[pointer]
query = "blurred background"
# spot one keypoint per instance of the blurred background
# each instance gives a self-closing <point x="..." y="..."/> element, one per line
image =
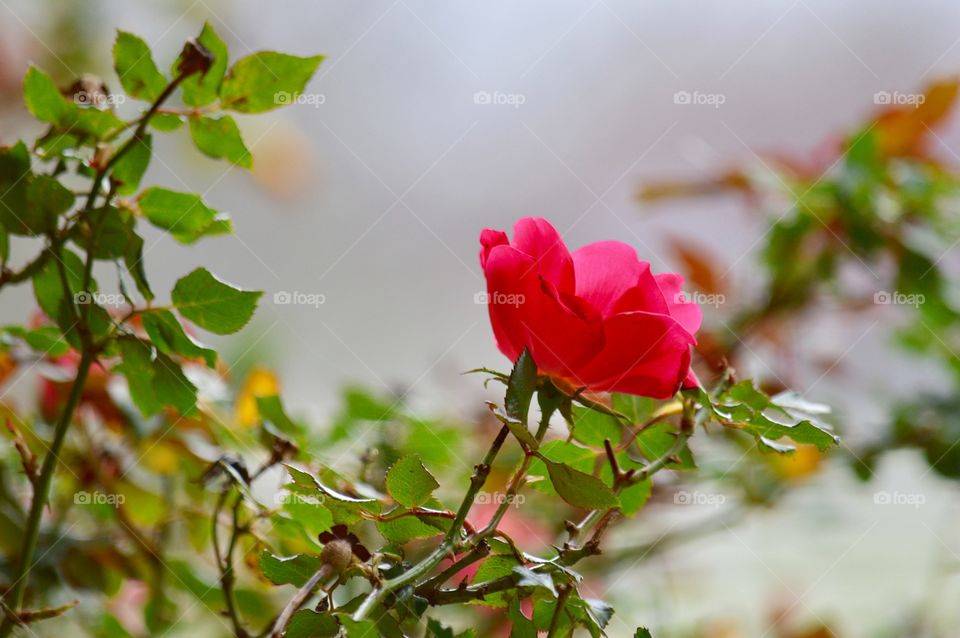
<point x="428" y="122"/>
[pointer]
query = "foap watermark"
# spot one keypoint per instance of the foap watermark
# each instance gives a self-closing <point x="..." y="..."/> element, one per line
<point x="910" y="499"/>
<point x="696" y="497"/>
<point x="98" y="100"/>
<point x="498" y="98"/>
<point x="100" y="298"/>
<point x="298" y="298"/>
<point x="499" y="498"/>
<point x="897" y="298"/>
<point x="700" y="298"/>
<point x="295" y="498"/>
<point x="897" y="98"/>
<point x="698" y="98"/>
<point x="98" y="498"/>
<point x="285" y="98"/>
<point x="484" y="298"/>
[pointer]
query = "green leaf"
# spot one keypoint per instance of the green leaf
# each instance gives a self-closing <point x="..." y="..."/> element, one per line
<point x="155" y="380"/>
<point x="183" y="215"/>
<point x="93" y="122"/>
<point x="577" y="457"/>
<point x="636" y="409"/>
<point x="134" y="65"/>
<point x="168" y="336"/>
<point x="362" y="629"/>
<point x="436" y="630"/>
<point x="115" y="234"/>
<point x="129" y="169"/>
<point x="409" y="483"/>
<point x="405" y="529"/>
<point x="493" y="567"/>
<point x="592" y="428"/>
<point x="657" y="440"/>
<point x="301" y="478"/>
<point x="172" y="386"/>
<point x="642" y="632"/>
<point x="770" y="419"/>
<point x="212" y="304"/>
<point x="290" y="570"/>
<point x="220" y="138"/>
<point x="44" y="100"/>
<point x="271" y="409"/>
<point x="200" y="90"/>
<point x="580" y="489"/>
<point x="265" y="80"/>
<point x="591" y="613"/>
<point x="520" y="387"/>
<point x="517" y="428"/>
<point x="47" y="199"/>
<point x="137" y="367"/>
<point x="530" y="578"/>
<point x="133" y="260"/>
<point x="308" y="623"/>
<point x="166" y="122"/>
<point x="15" y="214"/>
<point x="520" y="625"/>
<point x="47" y="340"/>
<point x="309" y="513"/>
<point x="634" y="497"/>
<point x="47" y="287"/>
<point x="4" y="243"/>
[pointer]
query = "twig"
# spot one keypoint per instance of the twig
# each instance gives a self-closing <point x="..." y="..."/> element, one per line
<point x="298" y="599"/>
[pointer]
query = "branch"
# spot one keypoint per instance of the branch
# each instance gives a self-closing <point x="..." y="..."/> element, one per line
<point x="299" y="598"/>
<point x="424" y="567"/>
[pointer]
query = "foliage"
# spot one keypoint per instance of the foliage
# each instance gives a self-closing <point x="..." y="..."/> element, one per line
<point x="155" y="481"/>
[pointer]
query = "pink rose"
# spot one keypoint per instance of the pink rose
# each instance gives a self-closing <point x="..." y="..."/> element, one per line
<point x="596" y="319"/>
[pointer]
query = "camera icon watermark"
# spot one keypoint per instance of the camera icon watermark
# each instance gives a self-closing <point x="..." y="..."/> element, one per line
<point x="498" y="98"/>
<point x="685" y="497"/>
<point x="296" y="498"/>
<point x="484" y="298"/>
<point x="87" y="297"/>
<point x="298" y="298"/>
<point x="697" y="98"/>
<point x="700" y="298"/>
<point x="897" y="298"/>
<point x="98" y="100"/>
<point x="499" y="498"/>
<point x="910" y="499"/>
<point x="896" y="98"/>
<point x="285" y="98"/>
<point x="98" y="498"/>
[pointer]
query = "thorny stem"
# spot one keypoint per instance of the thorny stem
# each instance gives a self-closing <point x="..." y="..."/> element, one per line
<point x="424" y="567"/>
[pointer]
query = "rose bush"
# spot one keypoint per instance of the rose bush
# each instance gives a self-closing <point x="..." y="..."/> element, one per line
<point x="157" y="485"/>
<point x="595" y="319"/>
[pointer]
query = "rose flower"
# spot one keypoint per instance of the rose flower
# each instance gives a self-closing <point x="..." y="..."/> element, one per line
<point x="596" y="320"/>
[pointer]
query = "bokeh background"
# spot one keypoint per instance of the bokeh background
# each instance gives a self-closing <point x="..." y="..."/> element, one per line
<point x="430" y="121"/>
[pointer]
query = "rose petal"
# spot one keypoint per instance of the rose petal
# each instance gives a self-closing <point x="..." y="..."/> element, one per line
<point x="684" y="310"/>
<point x="539" y="239"/>
<point x="511" y="278"/>
<point x="564" y="332"/>
<point x="611" y="277"/>
<point x="644" y="353"/>
<point x="489" y="239"/>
